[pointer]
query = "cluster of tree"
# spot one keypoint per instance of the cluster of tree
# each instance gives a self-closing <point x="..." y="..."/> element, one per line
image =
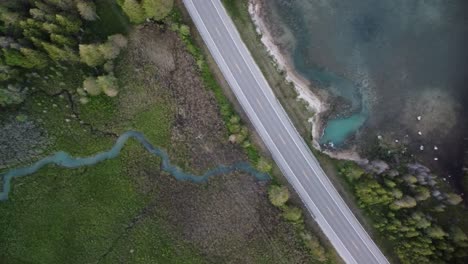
<point x="138" y="11"/>
<point x="279" y="196"/>
<point x="101" y="55"/>
<point x="396" y="204"/>
<point x="35" y="34"/>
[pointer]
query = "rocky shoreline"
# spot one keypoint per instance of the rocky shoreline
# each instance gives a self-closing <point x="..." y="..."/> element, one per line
<point x="316" y="102"/>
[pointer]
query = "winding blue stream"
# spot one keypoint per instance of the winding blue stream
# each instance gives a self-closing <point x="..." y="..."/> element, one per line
<point x="63" y="159"/>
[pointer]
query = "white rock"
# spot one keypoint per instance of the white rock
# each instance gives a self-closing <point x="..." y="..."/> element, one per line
<point x="67" y="120"/>
<point x="436" y="148"/>
<point x="421" y="147"/>
<point x="396" y="141"/>
<point x="419" y="118"/>
<point x="379" y="137"/>
<point x="420" y="133"/>
<point x="436" y="158"/>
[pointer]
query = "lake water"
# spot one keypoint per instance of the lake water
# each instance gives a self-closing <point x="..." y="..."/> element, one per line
<point x="388" y="62"/>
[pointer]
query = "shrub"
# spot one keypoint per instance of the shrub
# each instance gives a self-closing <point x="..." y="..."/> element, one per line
<point x="264" y="165"/>
<point x="91" y="55"/>
<point x="91" y="87"/>
<point x="134" y="11"/>
<point x="157" y="9"/>
<point x="313" y="244"/>
<point x="291" y="213"/>
<point x="108" y="84"/>
<point x="278" y="195"/>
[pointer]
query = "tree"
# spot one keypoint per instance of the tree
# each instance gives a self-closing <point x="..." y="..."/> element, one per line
<point x="370" y="192"/>
<point x="422" y="193"/>
<point x="420" y="220"/>
<point x="51" y="28"/>
<point x="62" y="40"/>
<point x="38" y="59"/>
<point x="118" y="40"/>
<point x="278" y="195"/>
<point x="87" y="10"/>
<point x="292" y="213"/>
<point x="108" y="84"/>
<point x="37" y="14"/>
<point x="68" y="24"/>
<point x="109" y="51"/>
<point x="11" y="95"/>
<point x="59" y="54"/>
<point x="91" y="86"/>
<point x="157" y="9"/>
<point x="405" y="202"/>
<point x="65" y="5"/>
<point x="351" y="171"/>
<point x="134" y="11"/>
<point x="410" y="179"/>
<point x="458" y="236"/>
<point x="454" y="199"/>
<point x="25" y="58"/>
<point x="8" y="17"/>
<point x="91" y="55"/>
<point x="436" y="232"/>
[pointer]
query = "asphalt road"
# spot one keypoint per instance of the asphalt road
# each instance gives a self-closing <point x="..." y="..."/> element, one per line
<point x="287" y="147"/>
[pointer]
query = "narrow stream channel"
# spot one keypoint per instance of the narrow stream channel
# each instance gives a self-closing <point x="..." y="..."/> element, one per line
<point x="63" y="159"/>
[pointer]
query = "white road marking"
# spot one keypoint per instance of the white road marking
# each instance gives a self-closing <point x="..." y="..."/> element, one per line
<point x="354" y="244"/>
<point x="217" y="31"/>
<point x="259" y="103"/>
<point x="238" y="68"/>
<point x="329" y="210"/>
<point x="282" y="139"/>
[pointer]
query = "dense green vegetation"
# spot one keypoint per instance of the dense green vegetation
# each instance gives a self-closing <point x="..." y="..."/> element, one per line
<point x="40" y="38"/>
<point x="403" y="209"/>
<point x="90" y="214"/>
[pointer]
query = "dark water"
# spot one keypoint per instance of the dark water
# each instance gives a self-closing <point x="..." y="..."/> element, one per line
<point x="390" y="61"/>
<point x="65" y="160"/>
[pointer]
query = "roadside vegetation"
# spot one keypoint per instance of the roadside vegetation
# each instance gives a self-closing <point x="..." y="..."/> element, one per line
<point x="414" y="215"/>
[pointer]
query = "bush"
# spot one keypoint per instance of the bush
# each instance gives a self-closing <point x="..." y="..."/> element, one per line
<point x="108" y="84"/>
<point x="293" y="214"/>
<point x="134" y="11"/>
<point x="278" y="195"/>
<point x="313" y="244"/>
<point x="264" y="165"/>
<point x="157" y="9"/>
<point x="91" y="87"/>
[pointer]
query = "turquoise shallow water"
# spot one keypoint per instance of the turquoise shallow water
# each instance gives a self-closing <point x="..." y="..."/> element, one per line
<point x="379" y="55"/>
<point x="338" y="130"/>
<point x="63" y="159"/>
